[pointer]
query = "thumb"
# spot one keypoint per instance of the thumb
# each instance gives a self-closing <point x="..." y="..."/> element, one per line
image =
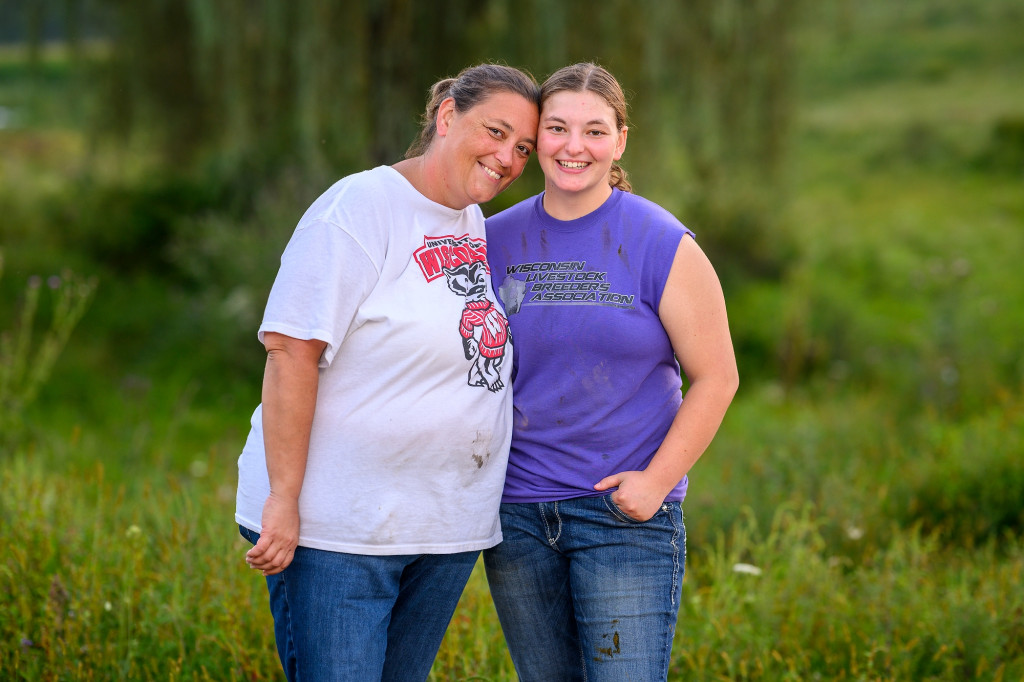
<point x="608" y="482"/>
<point x="258" y="549"/>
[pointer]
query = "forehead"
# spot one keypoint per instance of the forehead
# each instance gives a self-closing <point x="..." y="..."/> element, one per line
<point x="578" y="106"/>
<point x="504" y="104"/>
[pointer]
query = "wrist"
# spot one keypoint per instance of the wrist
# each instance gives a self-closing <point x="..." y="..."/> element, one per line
<point x="287" y="498"/>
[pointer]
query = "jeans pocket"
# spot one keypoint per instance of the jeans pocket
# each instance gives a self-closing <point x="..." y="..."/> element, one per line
<point x="621" y="515"/>
<point x="250" y="535"/>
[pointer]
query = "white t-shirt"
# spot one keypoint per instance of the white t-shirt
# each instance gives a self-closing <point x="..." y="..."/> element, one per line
<point x="410" y="438"/>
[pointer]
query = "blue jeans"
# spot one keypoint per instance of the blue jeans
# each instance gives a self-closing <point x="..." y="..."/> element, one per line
<point x="583" y="592"/>
<point x="354" y="618"/>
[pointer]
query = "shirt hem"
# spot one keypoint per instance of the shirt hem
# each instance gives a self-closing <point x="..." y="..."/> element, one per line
<point x="385" y="550"/>
<point x="673" y="496"/>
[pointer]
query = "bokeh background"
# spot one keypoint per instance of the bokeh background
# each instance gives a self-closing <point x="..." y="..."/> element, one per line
<point x="855" y="170"/>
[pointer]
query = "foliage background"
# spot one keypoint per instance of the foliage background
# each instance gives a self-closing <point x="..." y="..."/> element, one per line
<point x="855" y="171"/>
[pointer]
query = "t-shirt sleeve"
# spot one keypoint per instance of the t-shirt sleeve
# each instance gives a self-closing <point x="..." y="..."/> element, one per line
<point x="325" y="276"/>
<point x="662" y="255"/>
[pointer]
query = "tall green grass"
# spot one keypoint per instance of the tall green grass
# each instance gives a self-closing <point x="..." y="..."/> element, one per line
<point x="102" y="581"/>
<point x="142" y="576"/>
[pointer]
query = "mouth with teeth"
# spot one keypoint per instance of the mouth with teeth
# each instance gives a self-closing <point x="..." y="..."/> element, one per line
<point x="574" y="165"/>
<point x="493" y="174"/>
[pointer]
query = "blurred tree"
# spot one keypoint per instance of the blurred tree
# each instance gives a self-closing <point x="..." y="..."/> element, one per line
<point x="736" y="103"/>
<point x="251" y="87"/>
<point x="300" y="83"/>
<point x="154" y="83"/>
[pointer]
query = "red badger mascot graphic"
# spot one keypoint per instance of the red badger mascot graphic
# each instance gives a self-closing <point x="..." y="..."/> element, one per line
<point x="484" y="329"/>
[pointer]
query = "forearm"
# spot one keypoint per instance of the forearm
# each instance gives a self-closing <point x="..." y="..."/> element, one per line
<point x="289" y="400"/>
<point x="692" y="430"/>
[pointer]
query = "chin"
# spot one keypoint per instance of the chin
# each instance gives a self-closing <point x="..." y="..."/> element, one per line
<point x="568" y="188"/>
<point x="484" y="197"/>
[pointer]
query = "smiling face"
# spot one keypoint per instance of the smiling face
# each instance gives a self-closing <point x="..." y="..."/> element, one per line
<point x="485" y="148"/>
<point x="577" y="143"/>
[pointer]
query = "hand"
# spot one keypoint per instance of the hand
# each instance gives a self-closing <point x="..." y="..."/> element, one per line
<point x="278" y="538"/>
<point x="637" y="497"/>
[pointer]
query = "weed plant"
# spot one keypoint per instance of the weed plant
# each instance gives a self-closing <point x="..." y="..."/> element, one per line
<point x="28" y="354"/>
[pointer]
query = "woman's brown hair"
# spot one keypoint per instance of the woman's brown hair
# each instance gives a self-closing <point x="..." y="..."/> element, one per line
<point x="473" y="85"/>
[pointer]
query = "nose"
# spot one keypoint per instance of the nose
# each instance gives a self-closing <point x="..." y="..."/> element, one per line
<point x="506" y="154"/>
<point x="574" y="144"/>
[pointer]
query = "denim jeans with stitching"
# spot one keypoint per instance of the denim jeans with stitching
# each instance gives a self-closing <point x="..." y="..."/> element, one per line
<point x="584" y="592"/>
<point x="353" y="618"/>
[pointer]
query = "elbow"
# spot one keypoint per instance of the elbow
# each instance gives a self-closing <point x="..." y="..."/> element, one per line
<point x="733" y="381"/>
<point x="728" y="384"/>
<point x="720" y="385"/>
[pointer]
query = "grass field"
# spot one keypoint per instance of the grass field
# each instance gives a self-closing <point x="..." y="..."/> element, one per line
<point x="859" y="516"/>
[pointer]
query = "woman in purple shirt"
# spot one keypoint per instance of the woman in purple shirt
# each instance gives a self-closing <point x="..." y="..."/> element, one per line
<point x="607" y="297"/>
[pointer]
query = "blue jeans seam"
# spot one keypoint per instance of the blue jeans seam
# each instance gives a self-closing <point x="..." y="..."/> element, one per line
<point x="288" y="624"/>
<point x="675" y="553"/>
<point x="552" y="541"/>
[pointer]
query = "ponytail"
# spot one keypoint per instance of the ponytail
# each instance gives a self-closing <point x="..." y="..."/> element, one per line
<point x="428" y="120"/>
<point x="619" y="178"/>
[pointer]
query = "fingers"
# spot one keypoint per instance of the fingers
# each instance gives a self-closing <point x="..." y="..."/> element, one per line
<point x="608" y="482"/>
<point x="275" y="548"/>
<point x="269" y="557"/>
<point x="278" y="560"/>
<point x="634" y="496"/>
<point x="281" y="562"/>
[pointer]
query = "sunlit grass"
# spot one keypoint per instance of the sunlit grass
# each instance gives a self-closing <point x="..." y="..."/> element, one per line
<point x="106" y="581"/>
<point x="798" y="574"/>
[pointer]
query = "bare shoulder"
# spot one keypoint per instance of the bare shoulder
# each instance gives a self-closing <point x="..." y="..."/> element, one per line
<point x="691" y="268"/>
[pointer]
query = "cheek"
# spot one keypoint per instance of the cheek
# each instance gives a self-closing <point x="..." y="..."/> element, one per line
<point x="547" y="145"/>
<point x="518" y="166"/>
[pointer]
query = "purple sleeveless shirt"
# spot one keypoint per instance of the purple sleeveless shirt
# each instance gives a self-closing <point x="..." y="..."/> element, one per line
<point x="595" y="381"/>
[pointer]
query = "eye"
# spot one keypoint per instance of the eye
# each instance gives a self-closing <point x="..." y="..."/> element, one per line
<point x="596" y="133"/>
<point x="524" y="150"/>
<point x="556" y="129"/>
<point x="497" y="132"/>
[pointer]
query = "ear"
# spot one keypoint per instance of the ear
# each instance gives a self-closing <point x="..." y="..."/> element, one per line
<point x="620" y="146"/>
<point x="445" y="114"/>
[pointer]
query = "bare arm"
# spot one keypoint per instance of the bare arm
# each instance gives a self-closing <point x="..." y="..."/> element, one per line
<point x="693" y="313"/>
<point x="289" y="398"/>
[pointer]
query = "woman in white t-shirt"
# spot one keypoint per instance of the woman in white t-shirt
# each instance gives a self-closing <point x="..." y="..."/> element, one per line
<point x="371" y="478"/>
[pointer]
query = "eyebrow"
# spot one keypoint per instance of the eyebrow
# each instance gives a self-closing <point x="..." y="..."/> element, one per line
<point x="592" y="122"/>
<point x="510" y="128"/>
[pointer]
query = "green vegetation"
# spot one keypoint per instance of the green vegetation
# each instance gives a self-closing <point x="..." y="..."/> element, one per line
<point x="859" y="516"/>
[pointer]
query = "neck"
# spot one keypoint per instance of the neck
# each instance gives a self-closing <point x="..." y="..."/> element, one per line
<point x="426" y="178"/>
<point x="572" y="205"/>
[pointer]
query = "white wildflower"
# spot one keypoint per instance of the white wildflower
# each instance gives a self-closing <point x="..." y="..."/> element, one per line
<point x="749" y="569"/>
